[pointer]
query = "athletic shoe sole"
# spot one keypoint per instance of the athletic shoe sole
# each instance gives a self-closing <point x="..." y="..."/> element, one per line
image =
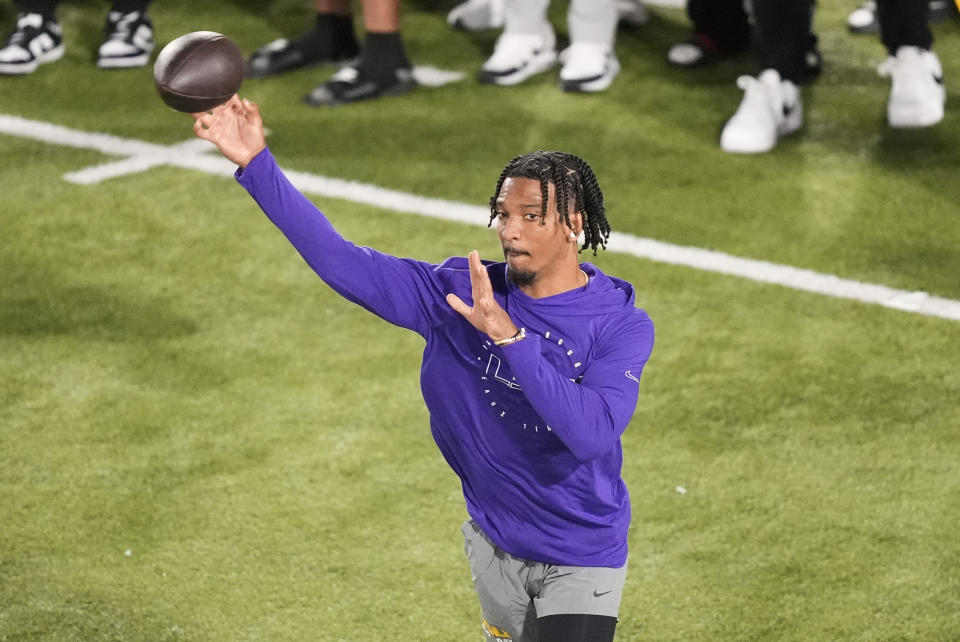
<point x="358" y="93"/>
<point x="914" y="115"/>
<point x="460" y="24"/>
<point x="540" y="63"/>
<point x="126" y="62"/>
<point x="792" y="123"/>
<point x="282" y="67"/>
<point x="594" y="84"/>
<point x="23" y="68"/>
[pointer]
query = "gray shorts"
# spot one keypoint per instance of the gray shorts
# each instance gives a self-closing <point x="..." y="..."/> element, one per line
<point x="515" y="592"/>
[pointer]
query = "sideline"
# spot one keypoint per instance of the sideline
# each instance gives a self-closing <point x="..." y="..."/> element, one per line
<point x="139" y="156"/>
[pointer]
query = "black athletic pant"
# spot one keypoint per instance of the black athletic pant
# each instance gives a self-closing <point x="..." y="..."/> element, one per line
<point x="781" y="33"/>
<point x="724" y="21"/>
<point x="782" y="36"/>
<point x="47" y="8"/>
<point x="904" y="22"/>
<point x="782" y="28"/>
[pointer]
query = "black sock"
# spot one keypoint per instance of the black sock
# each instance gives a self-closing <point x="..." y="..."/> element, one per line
<point x="383" y="54"/>
<point x="338" y="31"/>
<point x="331" y="38"/>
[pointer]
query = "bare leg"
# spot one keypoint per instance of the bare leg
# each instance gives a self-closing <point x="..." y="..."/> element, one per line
<point x="379" y="16"/>
<point x="338" y="7"/>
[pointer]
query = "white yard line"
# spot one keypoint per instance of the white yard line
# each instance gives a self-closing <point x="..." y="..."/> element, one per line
<point x="139" y="156"/>
<point x="137" y="163"/>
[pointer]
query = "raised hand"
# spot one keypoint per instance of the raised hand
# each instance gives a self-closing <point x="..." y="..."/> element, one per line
<point x="235" y="127"/>
<point x="486" y="314"/>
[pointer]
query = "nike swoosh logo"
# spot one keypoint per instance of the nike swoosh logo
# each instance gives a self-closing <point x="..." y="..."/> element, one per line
<point x="595" y="594"/>
<point x="628" y="375"/>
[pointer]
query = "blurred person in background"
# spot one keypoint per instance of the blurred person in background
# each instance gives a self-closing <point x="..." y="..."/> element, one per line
<point x="379" y="68"/>
<point x="37" y="37"/>
<point x="721" y="28"/>
<point x="772" y="106"/>
<point x="863" y="19"/>
<point x="478" y="15"/>
<point x="528" y="44"/>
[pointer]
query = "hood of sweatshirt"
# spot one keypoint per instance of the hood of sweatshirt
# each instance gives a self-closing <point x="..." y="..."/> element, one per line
<point x="601" y="295"/>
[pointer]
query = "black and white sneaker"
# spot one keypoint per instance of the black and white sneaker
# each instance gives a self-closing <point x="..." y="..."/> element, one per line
<point x="351" y="84"/>
<point x="588" y="67"/>
<point x="308" y="49"/>
<point x="129" y="41"/>
<point x="32" y="43"/>
<point x="517" y="56"/>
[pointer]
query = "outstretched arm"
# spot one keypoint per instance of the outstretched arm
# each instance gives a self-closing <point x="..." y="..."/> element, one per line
<point x="398" y="290"/>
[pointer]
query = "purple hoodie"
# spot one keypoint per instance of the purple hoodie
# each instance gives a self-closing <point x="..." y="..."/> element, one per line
<point x="532" y="428"/>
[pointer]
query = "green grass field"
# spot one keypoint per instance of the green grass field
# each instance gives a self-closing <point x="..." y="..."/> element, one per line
<point x="200" y="441"/>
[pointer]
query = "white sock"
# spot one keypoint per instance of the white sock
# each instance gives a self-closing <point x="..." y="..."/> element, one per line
<point x="525" y="16"/>
<point x="592" y="21"/>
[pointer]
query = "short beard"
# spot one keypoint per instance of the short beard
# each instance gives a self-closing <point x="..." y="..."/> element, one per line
<point x="521" y="278"/>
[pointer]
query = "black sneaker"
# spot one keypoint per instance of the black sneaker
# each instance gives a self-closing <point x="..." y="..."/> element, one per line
<point x="32" y="43"/>
<point x="129" y="41"/>
<point x="350" y="85"/>
<point x="308" y="49"/>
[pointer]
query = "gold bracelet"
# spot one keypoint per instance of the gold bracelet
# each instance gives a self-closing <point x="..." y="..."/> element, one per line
<point x="519" y="336"/>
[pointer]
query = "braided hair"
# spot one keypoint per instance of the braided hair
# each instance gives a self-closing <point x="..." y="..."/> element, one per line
<point x="574" y="183"/>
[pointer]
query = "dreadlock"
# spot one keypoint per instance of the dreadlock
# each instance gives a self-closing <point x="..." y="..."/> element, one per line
<point x="574" y="183"/>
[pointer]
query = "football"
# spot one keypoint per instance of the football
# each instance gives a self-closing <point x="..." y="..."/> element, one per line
<point x="198" y="71"/>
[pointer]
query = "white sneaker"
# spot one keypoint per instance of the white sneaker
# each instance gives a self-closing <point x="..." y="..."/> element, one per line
<point x="632" y="13"/>
<point x="771" y="108"/>
<point x="917" y="95"/>
<point x="33" y="42"/>
<point x="863" y="19"/>
<point x="477" y="15"/>
<point x="129" y="41"/>
<point x="517" y="56"/>
<point x="588" y="67"/>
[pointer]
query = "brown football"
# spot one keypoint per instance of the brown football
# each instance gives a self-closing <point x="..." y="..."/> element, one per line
<point x="198" y="71"/>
